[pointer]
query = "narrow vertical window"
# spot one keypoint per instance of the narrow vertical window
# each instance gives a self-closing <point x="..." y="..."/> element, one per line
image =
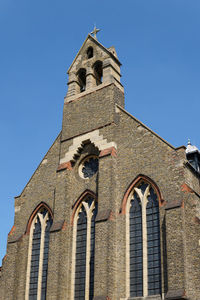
<point x="92" y="253"/>
<point x="45" y="258"/>
<point x="153" y="244"/>
<point x="98" y="72"/>
<point x="38" y="256"/>
<point x="81" y="240"/>
<point x="84" y="246"/>
<point x="136" y="254"/>
<point x="82" y="79"/>
<point x="144" y="241"/>
<point x="35" y="258"/>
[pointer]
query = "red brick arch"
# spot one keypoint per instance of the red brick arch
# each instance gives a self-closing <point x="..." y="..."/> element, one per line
<point x="134" y="183"/>
<point x="42" y="204"/>
<point x="80" y="199"/>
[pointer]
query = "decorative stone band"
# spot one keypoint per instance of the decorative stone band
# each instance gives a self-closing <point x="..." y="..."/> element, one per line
<point x="94" y="137"/>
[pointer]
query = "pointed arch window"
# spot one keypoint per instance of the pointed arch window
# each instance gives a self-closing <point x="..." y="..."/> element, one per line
<point x="84" y="249"/>
<point x="37" y="266"/>
<point x="143" y="241"/>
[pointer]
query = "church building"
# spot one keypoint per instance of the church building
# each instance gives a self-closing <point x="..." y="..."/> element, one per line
<point x="113" y="210"/>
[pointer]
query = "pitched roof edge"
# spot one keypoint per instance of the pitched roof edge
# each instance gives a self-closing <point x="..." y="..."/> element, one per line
<point x="96" y="42"/>
<point x="125" y="111"/>
<point x="39" y="164"/>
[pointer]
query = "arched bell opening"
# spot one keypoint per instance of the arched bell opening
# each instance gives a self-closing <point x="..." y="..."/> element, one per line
<point x="82" y="79"/>
<point x="98" y="72"/>
<point x="90" y="52"/>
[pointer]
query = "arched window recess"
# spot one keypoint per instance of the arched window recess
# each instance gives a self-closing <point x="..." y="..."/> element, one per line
<point x="98" y="71"/>
<point x="143" y="239"/>
<point x="85" y="211"/>
<point x="89" y="52"/>
<point x="37" y="266"/>
<point x="82" y="79"/>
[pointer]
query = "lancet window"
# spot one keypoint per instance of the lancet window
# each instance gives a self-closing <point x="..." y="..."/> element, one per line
<point x="37" y="266"/>
<point x="84" y="249"/>
<point x="143" y="242"/>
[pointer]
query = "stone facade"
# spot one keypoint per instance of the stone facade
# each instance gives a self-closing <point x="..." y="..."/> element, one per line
<point x="96" y="123"/>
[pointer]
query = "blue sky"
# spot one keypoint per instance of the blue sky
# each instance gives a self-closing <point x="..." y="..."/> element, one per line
<point x="157" y="41"/>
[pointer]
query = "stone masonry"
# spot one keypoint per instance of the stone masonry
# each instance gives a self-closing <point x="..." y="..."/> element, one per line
<point x="96" y="123"/>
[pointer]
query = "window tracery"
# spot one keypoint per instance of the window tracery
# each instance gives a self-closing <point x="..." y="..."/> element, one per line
<point x="89" y="166"/>
<point x="37" y="266"/>
<point x="84" y="249"/>
<point x="143" y="242"/>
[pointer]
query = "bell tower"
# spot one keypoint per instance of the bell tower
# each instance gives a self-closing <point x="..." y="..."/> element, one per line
<point x="94" y="67"/>
<point x="93" y="89"/>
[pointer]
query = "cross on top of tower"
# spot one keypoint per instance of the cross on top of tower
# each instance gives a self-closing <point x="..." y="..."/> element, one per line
<point x="95" y="31"/>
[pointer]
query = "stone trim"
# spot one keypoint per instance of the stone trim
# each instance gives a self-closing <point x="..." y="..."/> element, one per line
<point x="178" y="294"/>
<point x="101" y="297"/>
<point x="109" y="151"/>
<point x="89" y="213"/>
<point x="65" y="166"/>
<point x="13" y="229"/>
<point x="72" y="98"/>
<point x="80" y="199"/>
<point x="57" y="226"/>
<point x="43" y="222"/>
<point x="185" y="188"/>
<point x="135" y="182"/>
<point x="14" y="239"/>
<point x="174" y="204"/>
<point x="103" y="215"/>
<point x="78" y="143"/>
<point x="35" y="212"/>
<point x="153" y="297"/>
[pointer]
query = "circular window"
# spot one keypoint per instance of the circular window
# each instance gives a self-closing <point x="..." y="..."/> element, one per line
<point x="89" y="166"/>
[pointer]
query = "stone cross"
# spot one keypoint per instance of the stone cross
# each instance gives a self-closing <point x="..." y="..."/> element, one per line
<point x="95" y="31"/>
